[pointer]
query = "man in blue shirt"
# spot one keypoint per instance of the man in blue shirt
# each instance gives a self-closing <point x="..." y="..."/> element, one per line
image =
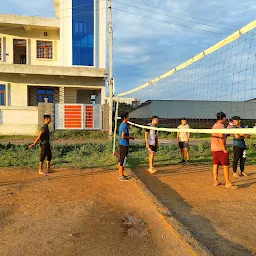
<point x="239" y="148"/>
<point x="124" y="138"/>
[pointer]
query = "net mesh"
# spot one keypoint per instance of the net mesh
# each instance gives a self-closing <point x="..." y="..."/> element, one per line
<point x="222" y="78"/>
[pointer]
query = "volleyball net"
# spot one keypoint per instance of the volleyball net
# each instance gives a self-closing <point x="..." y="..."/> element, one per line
<point x="220" y="79"/>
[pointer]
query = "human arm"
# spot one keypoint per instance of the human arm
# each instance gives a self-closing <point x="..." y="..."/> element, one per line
<point x="127" y="137"/>
<point x="36" y="140"/>
<point x="178" y="135"/>
<point x="222" y="143"/>
<point x="188" y="135"/>
<point x="146" y="138"/>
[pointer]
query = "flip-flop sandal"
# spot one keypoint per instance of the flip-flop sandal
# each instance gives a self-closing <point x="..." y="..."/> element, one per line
<point x="231" y="187"/>
<point x="217" y="184"/>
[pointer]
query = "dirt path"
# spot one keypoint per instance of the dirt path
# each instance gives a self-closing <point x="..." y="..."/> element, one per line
<point x="79" y="213"/>
<point x="223" y="220"/>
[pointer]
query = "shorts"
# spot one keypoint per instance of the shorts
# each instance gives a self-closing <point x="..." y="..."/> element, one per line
<point x="153" y="148"/>
<point x="123" y="154"/>
<point x="183" y="145"/>
<point x="45" y="152"/>
<point x="220" y="158"/>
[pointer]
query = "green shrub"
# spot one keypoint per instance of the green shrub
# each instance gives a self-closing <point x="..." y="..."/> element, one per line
<point x="251" y="142"/>
<point x="204" y="146"/>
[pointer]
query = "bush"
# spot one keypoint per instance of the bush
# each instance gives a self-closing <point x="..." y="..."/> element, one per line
<point x="204" y="146"/>
<point x="251" y="142"/>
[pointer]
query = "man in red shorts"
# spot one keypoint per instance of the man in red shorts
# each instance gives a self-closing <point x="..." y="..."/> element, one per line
<point x="220" y="153"/>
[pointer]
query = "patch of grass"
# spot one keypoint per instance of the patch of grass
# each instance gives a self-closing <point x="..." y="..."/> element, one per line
<point x="88" y="155"/>
<point x="170" y="154"/>
<point x="15" y="137"/>
<point x="83" y="134"/>
<point x="99" y="155"/>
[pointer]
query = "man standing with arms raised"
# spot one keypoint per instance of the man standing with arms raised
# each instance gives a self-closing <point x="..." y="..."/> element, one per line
<point x="220" y="153"/>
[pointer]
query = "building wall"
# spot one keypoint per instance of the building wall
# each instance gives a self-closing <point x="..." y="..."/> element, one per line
<point x="66" y="33"/>
<point x="70" y="95"/>
<point x="17" y="88"/>
<point x="18" y="120"/>
<point x="17" y="94"/>
<point x="8" y="35"/>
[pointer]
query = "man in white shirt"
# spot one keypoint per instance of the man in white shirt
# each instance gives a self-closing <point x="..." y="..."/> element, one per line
<point x="151" y="138"/>
<point x="183" y="141"/>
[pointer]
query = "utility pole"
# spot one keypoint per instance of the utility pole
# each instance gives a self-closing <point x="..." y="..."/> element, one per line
<point x="110" y="31"/>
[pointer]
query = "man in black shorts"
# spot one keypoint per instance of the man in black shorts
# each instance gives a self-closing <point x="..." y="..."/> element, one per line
<point x="151" y="138"/>
<point x="44" y="137"/>
<point x="183" y="141"/>
<point x="124" y="138"/>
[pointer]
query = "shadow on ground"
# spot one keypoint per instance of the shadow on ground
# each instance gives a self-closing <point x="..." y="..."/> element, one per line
<point x="200" y="227"/>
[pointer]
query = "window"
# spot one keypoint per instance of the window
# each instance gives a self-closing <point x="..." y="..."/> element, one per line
<point x="83" y="32"/>
<point x="2" y="95"/>
<point x="45" y="93"/>
<point x="44" y="49"/>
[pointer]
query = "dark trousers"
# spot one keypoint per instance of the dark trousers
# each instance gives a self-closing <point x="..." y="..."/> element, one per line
<point x="238" y="155"/>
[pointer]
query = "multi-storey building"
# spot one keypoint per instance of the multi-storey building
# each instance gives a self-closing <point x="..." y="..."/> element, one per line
<point x="58" y="60"/>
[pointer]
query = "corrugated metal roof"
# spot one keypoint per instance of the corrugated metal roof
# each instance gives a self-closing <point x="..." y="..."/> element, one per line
<point x="169" y="109"/>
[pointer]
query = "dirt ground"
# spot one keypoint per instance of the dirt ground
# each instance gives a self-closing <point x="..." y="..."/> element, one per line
<point x="221" y="219"/>
<point x="79" y="212"/>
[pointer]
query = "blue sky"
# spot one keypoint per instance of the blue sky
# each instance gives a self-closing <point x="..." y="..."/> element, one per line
<point x="145" y="43"/>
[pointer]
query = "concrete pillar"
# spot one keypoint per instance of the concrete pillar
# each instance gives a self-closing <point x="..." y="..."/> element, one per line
<point x="62" y="95"/>
<point x="46" y="108"/>
<point x="105" y="117"/>
<point x="103" y="95"/>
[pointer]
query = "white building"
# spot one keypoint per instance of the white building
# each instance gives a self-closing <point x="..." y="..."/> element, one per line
<point x="60" y="59"/>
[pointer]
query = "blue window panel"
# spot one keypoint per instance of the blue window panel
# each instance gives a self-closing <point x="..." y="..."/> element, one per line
<point x="83" y="32"/>
<point x="49" y="92"/>
<point x="40" y="99"/>
<point x="41" y="91"/>
<point x="2" y="87"/>
<point x="2" y="99"/>
<point x="50" y="99"/>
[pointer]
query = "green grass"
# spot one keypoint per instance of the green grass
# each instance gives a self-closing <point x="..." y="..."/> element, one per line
<point x="88" y="155"/>
<point x="62" y="134"/>
<point x="99" y="155"/>
<point x="170" y="155"/>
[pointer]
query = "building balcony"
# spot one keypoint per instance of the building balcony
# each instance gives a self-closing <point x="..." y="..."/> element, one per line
<point x="62" y="72"/>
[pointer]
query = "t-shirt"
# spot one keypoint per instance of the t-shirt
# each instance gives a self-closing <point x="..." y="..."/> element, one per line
<point x="123" y="128"/>
<point x="238" y="142"/>
<point x="215" y="139"/>
<point x="45" y="137"/>
<point x="152" y="135"/>
<point x="183" y="136"/>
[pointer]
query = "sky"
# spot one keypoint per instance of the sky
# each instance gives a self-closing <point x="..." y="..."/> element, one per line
<point x="154" y="36"/>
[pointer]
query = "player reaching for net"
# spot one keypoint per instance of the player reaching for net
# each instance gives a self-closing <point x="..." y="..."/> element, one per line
<point x="151" y="138"/>
<point x="183" y="141"/>
<point x="44" y="137"/>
